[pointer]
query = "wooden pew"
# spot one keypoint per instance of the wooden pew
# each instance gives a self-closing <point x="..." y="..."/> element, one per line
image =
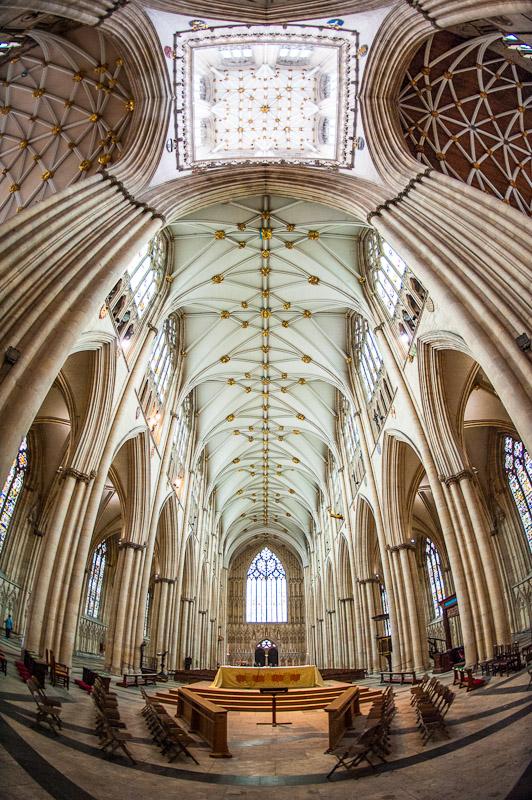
<point x="206" y="719"/>
<point x="138" y="679"/>
<point x="341" y="713"/>
<point x="399" y="677"/>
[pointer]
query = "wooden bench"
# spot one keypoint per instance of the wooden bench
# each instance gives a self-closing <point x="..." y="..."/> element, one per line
<point x="341" y="713"/>
<point x="138" y="679"/>
<point x="399" y="677"/>
<point x="206" y="719"/>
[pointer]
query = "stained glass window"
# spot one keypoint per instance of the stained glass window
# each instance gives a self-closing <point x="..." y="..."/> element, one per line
<point x="368" y="354"/>
<point x="162" y="359"/>
<point x="95" y="581"/>
<point x="144" y="272"/>
<point x="518" y="466"/>
<point x="181" y="431"/>
<point x="266" y="589"/>
<point x="146" y="614"/>
<point x="352" y="436"/>
<point x="11" y="490"/>
<point x="435" y="577"/>
<point x="385" y="610"/>
<point x="392" y="280"/>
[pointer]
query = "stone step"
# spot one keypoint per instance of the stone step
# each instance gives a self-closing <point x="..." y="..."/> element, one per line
<point x="251" y="700"/>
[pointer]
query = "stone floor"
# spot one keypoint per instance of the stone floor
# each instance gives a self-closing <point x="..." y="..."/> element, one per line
<point x="489" y="754"/>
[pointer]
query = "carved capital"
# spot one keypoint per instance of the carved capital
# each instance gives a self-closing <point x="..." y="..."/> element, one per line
<point x="131" y="545"/>
<point x="459" y="476"/>
<point x="70" y="472"/>
<point x="152" y="328"/>
<point x="403" y="546"/>
<point x="169" y="581"/>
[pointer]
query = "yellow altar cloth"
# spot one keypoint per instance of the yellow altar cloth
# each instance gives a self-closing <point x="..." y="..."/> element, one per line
<point x="304" y="677"/>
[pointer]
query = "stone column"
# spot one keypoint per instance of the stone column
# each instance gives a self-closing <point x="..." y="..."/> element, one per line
<point x="120" y="608"/>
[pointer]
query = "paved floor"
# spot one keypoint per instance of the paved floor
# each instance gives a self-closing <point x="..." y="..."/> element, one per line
<point x="489" y="754"/>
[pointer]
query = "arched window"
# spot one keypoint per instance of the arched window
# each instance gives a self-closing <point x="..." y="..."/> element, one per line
<point x="144" y="272"/>
<point x="518" y="465"/>
<point x="147" y="614"/>
<point x="368" y="355"/>
<point x="162" y="361"/>
<point x="94" y="591"/>
<point x="385" y="610"/>
<point x="435" y="577"/>
<point x="181" y="432"/>
<point x="399" y="291"/>
<point x="266" y="589"/>
<point x="11" y="490"/>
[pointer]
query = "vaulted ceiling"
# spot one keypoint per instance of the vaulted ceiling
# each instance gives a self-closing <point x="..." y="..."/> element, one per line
<point x="265" y="285"/>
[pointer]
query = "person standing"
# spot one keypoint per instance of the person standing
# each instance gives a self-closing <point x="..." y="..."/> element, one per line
<point x="8" y="625"/>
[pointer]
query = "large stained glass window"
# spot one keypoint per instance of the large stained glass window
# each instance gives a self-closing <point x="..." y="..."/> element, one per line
<point x="94" y="592"/>
<point x="162" y="361"/>
<point x="435" y="577"/>
<point x="144" y="272"/>
<point x="386" y="610"/>
<point x="368" y="354"/>
<point x="11" y="490"/>
<point x="518" y="465"/>
<point x="399" y="291"/>
<point x="266" y="589"/>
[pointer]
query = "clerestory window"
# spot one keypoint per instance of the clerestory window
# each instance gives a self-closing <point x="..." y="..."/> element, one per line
<point x="435" y="577"/>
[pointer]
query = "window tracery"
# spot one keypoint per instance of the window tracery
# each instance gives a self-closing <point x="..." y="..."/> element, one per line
<point x="181" y="434"/>
<point x="352" y="444"/>
<point x="399" y="291"/>
<point x="12" y="488"/>
<point x="435" y="577"/>
<point x="266" y="589"/>
<point x="385" y="610"/>
<point x="94" y="591"/>
<point x="372" y="373"/>
<point x="132" y="295"/>
<point x="518" y="466"/>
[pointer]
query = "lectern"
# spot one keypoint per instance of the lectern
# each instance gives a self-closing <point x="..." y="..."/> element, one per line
<point x="274" y="693"/>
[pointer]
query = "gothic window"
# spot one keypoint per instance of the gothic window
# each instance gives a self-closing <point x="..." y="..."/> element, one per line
<point x="385" y="610"/>
<point x="518" y="465"/>
<point x="146" y="614"/>
<point x="181" y="432"/>
<point x="399" y="291"/>
<point x="144" y="272"/>
<point x="266" y="589"/>
<point x="352" y="443"/>
<point x="94" y="591"/>
<point x="11" y="490"/>
<point x="368" y="354"/>
<point x="162" y="361"/>
<point x="292" y="54"/>
<point x="435" y="577"/>
<point x="236" y="55"/>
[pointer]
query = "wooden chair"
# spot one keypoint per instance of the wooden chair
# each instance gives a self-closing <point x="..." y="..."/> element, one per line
<point x="469" y="681"/>
<point x="3" y="662"/>
<point x="59" y="673"/>
<point x="365" y="745"/>
<point x="47" y="710"/>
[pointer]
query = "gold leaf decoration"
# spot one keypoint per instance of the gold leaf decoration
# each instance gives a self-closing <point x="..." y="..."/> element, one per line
<point x="290" y="228"/>
<point x="85" y="165"/>
<point x="241" y="226"/>
<point x="313" y="280"/>
<point x="230" y="417"/>
<point x="217" y="278"/>
<point x="224" y="314"/>
<point x="307" y="314"/>
<point x="289" y="245"/>
<point x="225" y="359"/>
<point x="265" y="253"/>
<point x="306" y="359"/>
<point x="313" y="235"/>
<point x="231" y="382"/>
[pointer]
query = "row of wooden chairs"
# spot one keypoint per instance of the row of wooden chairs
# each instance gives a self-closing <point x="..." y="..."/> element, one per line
<point x="432" y="701"/>
<point x="375" y="739"/>
<point x="165" y="732"/>
<point x="506" y="658"/>
<point x="3" y="662"/>
<point x="463" y="676"/>
<point x="47" y="710"/>
<point x="109" y="727"/>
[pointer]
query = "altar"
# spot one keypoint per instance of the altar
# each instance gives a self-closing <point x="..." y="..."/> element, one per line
<point x="304" y="677"/>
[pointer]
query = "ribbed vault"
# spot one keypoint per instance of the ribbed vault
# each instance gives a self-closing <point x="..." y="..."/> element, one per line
<point x="265" y="283"/>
